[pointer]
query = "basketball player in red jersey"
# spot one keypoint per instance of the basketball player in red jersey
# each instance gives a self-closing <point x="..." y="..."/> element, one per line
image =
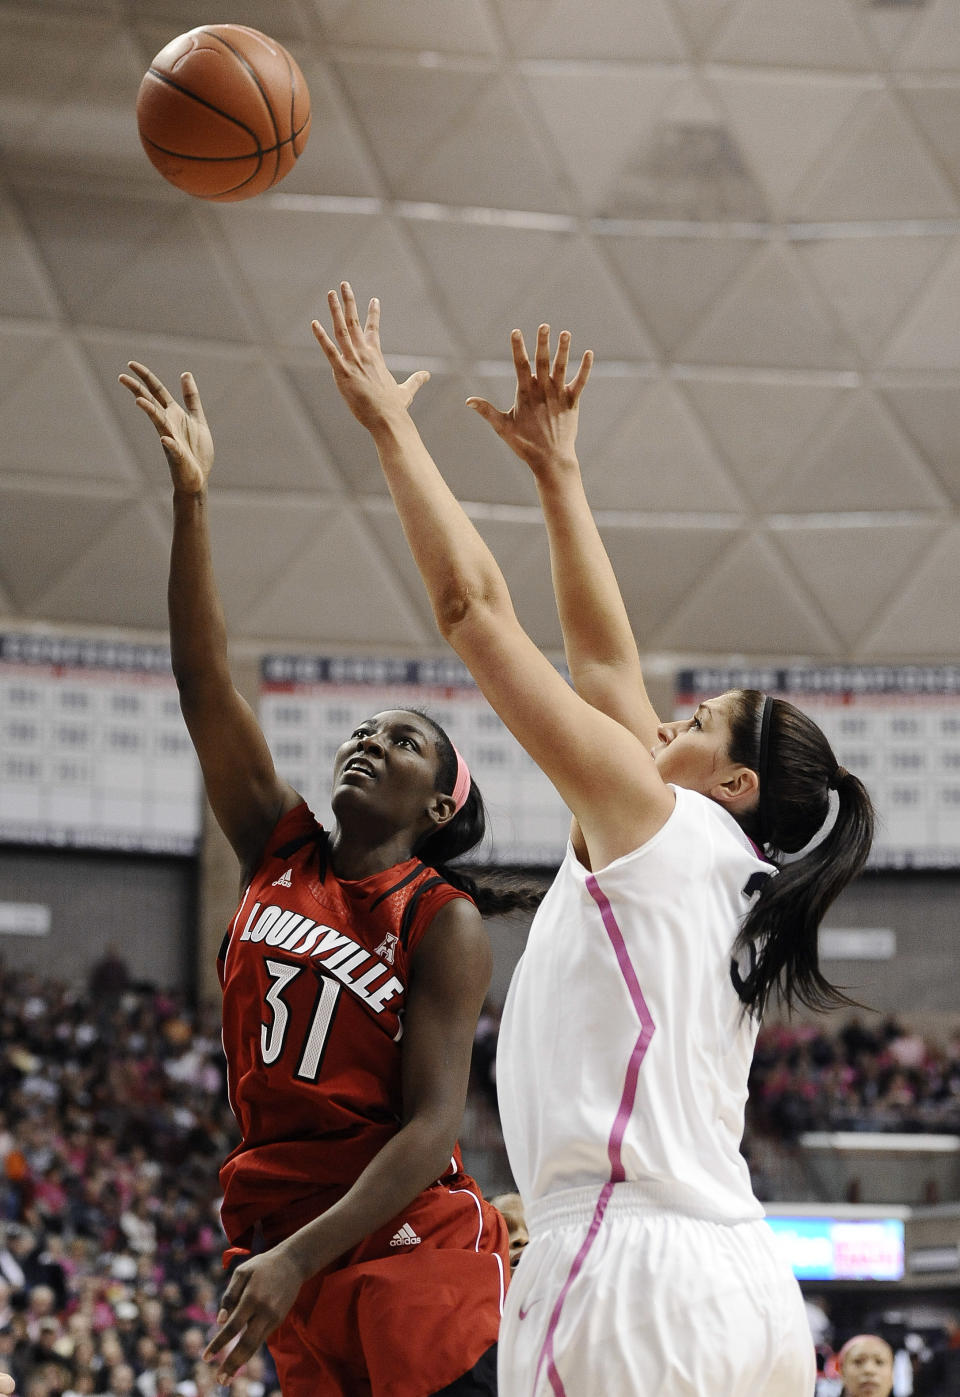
<point x="353" y="976"/>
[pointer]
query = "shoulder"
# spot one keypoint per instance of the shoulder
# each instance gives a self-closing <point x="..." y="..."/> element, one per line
<point x="455" y="933"/>
<point x="296" y="827"/>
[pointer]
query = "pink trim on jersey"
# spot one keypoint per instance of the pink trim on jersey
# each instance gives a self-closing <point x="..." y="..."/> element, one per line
<point x="621" y="1120"/>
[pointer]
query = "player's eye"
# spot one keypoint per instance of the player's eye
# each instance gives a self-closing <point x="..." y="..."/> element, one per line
<point x="696" y="723"/>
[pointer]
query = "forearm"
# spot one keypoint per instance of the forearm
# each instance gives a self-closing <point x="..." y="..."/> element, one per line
<point x="599" y="643"/>
<point x="413" y="1159"/>
<point x="458" y="569"/>
<point x="198" y="633"/>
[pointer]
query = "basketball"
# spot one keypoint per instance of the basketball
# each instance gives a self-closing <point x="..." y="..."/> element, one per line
<point x="223" y="112"/>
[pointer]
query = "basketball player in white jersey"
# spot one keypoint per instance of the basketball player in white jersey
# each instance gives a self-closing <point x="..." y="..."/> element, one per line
<point x="629" y="1028"/>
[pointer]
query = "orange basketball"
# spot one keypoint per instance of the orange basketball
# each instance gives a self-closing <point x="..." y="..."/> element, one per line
<point x="223" y="112"/>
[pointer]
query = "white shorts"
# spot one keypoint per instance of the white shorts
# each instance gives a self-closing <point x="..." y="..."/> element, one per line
<point x="650" y="1303"/>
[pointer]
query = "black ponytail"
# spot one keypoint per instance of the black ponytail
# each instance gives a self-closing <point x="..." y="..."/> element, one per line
<point x="493" y="892"/>
<point x="799" y="769"/>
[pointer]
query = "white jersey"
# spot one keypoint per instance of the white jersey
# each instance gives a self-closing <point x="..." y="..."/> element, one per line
<point x="624" y="1049"/>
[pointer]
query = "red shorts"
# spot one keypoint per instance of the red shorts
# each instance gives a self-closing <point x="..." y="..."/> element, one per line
<point x="408" y="1311"/>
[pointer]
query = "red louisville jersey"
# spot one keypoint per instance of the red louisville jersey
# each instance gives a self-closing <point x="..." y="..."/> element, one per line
<point x="314" y="971"/>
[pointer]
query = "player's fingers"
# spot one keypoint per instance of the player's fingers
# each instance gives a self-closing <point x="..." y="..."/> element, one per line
<point x="351" y="314"/>
<point x="253" y="1337"/>
<point x="489" y="413"/>
<point x="325" y="343"/>
<point x="191" y="395"/>
<point x="339" y="322"/>
<point x="416" y="381"/>
<point x="559" y="370"/>
<point x="228" y="1331"/>
<point x="133" y="384"/>
<point x="521" y="359"/>
<point x="543" y="355"/>
<point x="149" y="378"/>
<point x="373" y="319"/>
<point x="583" y="373"/>
<point x="156" y="413"/>
<point x="7" y="1383"/>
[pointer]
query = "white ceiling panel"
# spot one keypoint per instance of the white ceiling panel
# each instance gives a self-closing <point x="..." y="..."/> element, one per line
<point x="890" y="26"/>
<point x="748" y="209"/>
<point x="750" y="600"/>
<point x="54" y="421"/>
<point x="921" y="619"/>
<point x="816" y="34"/>
<point x="872" y="282"/>
<point x="441" y="26"/>
<point x="771" y="315"/>
<point x="934" y="43"/>
<point x="623" y="101"/>
<point x="43" y="532"/>
<point x="673" y="280"/>
<point x="337" y="589"/>
<point x="934" y="103"/>
<point x="662" y="459"/>
<point x="760" y="425"/>
<point x="490" y="154"/>
<point x="930" y="414"/>
<point x="660" y="564"/>
<point x="122" y="573"/>
<point x="881" y="169"/>
<point x="854" y="571"/>
<point x="646" y="31"/>
<point x="927" y="336"/>
<point x="860" y="461"/>
<point x="783" y="122"/>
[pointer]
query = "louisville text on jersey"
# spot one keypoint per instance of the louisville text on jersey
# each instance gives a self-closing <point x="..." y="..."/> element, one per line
<point x="359" y="969"/>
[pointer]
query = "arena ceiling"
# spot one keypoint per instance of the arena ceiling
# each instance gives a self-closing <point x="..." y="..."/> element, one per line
<point x="749" y="209"/>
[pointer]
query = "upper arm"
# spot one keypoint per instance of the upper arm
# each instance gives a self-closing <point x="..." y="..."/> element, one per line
<point x="245" y="792"/>
<point x="450" y="977"/>
<point x="617" y="688"/>
<point x="602" y="771"/>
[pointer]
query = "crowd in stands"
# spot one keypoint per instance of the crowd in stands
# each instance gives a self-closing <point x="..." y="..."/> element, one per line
<point x="114" y="1120"/>
<point x="872" y="1075"/>
<point x="881" y="1077"/>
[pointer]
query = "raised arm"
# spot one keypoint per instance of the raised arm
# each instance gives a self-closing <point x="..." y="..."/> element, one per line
<point x="605" y="775"/>
<point x="541" y="429"/>
<point x="246" y="794"/>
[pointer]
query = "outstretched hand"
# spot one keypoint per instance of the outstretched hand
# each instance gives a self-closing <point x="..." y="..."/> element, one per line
<point x="541" y="427"/>
<point x="259" y="1296"/>
<point x="359" y="370"/>
<point x="183" y="431"/>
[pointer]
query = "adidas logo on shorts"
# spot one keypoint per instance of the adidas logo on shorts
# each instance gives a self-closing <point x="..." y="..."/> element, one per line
<point x="405" y="1237"/>
<point x="284" y="881"/>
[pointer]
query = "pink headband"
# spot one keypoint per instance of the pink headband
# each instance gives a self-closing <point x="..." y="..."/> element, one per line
<point x="461" y="787"/>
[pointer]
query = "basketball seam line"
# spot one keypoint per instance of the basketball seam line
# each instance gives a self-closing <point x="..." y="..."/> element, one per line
<point x="225" y="159"/>
<point x="259" y="85"/>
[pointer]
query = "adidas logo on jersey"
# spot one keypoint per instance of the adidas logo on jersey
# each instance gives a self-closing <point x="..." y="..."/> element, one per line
<point x="284" y="881"/>
<point x="405" y="1237"/>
